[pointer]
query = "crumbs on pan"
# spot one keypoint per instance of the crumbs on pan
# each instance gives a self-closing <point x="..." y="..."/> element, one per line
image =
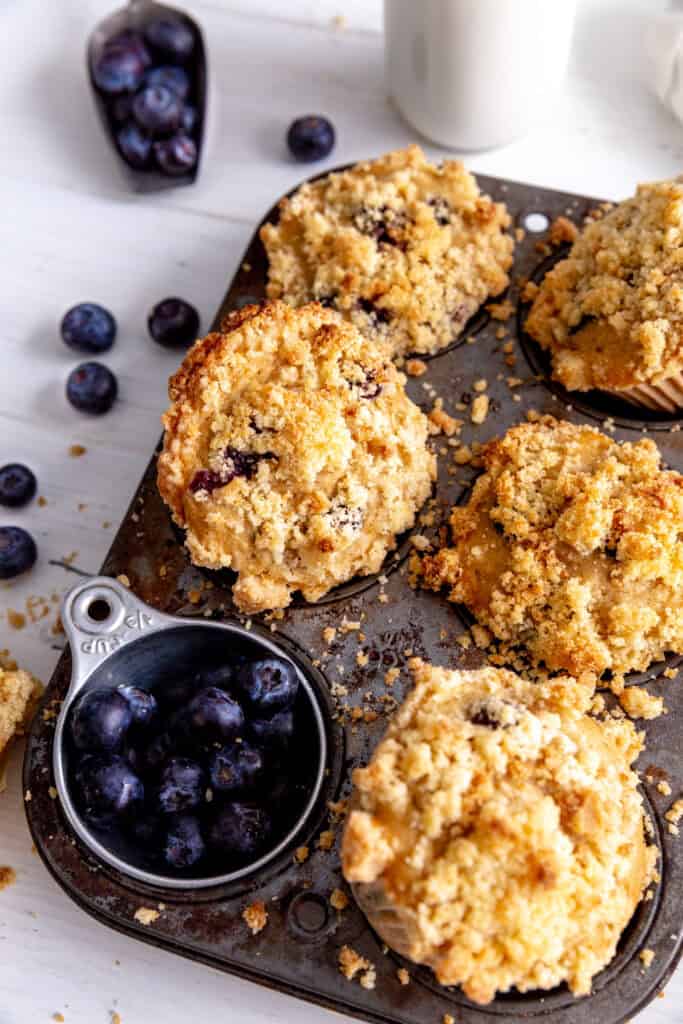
<point x="403" y="976"/>
<point x="639" y="703"/>
<point x="255" y="917"/>
<point x="646" y="957"/>
<point x="146" y="915"/>
<point x="338" y="899"/>
<point x="351" y="963"/>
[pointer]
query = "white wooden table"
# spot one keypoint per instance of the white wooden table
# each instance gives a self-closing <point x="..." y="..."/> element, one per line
<point x="70" y="231"/>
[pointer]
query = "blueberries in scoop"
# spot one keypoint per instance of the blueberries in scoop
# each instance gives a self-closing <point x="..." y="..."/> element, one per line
<point x="274" y="733"/>
<point x="109" y="788"/>
<point x="100" y="720"/>
<point x="174" y="78"/>
<point x="171" y="38"/>
<point x="134" y="145"/>
<point x="239" y="829"/>
<point x="120" y="68"/>
<point x="267" y="686"/>
<point x="183" y="844"/>
<point x="142" y="704"/>
<point x="211" y="717"/>
<point x="158" y="110"/>
<point x="177" y="155"/>
<point x="157" y="751"/>
<point x="182" y="786"/>
<point x="235" y="767"/>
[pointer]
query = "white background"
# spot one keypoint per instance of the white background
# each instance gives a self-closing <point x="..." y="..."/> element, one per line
<point x="70" y="231"/>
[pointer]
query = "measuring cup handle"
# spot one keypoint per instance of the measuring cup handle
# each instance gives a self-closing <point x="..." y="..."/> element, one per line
<point x="101" y="616"/>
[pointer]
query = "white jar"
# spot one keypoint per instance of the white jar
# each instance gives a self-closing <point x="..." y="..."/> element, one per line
<point x="473" y="74"/>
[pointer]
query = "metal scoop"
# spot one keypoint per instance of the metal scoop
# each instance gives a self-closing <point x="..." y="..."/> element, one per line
<point x="134" y="17"/>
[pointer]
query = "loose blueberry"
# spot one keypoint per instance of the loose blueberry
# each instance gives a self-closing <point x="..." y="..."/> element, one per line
<point x="310" y="138"/>
<point x="177" y="155"/>
<point x="182" y="786"/>
<point x="120" y="68"/>
<point x="235" y="767"/>
<point x="135" y="147"/>
<point x="17" y="485"/>
<point x="173" y="78"/>
<point x="239" y="829"/>
<point x="92" y="388"/>
<point x="183" y="844"/>
<point x="212" y="717"/>
<point x="274" y="732"/>
<point x="171" y="38"/>
<point x="158" y="110"/>
<point x="267" y="686"/>
<point x="189" y="119"/>
<point x="142" y="703"/>
<point x="100" y="720"/>
<point x="109" y="788"/>
<point x="18" y="551"/>
<point x="88" y="327"/>
<point x="173" y="323"/>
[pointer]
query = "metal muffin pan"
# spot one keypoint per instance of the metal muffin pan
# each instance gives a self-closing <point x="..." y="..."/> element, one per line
<point x="297" y="952"/>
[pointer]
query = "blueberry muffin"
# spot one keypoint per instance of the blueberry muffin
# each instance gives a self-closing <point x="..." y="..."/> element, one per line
<point x="611" y="313"/>
<point x="405" y="250"/>
<point x="497" y="834"/>
<point x="292" y="454"/>
<point x="570" y="547"/>
<point x="18" y="693"/>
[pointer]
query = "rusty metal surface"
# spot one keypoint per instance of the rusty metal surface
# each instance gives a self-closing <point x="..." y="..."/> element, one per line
<point x="297" y="951"/>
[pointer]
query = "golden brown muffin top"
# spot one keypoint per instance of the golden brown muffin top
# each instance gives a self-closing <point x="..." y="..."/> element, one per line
<point x="570" y="546"/>
<point x="611" y="313"/>
<point x="497" y="833"/>
<point x="404" y="249"/>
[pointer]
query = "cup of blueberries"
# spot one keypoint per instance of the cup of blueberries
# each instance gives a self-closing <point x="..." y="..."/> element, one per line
<point x="188" y="756"/>
<point x="147" y="67"/>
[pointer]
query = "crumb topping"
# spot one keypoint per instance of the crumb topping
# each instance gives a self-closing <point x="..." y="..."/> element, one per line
<point x="570" y="547"/>
<point x="292" y="453"/>
<point x="611" y="313"/>
<point x="18" y="693"/>
<point x="255" y="917"/>
<point x="487" y="820"/>
<point x="404" y="249"/>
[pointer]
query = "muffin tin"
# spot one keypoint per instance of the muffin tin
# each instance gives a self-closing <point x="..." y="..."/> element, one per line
<point x="297" y="951"/>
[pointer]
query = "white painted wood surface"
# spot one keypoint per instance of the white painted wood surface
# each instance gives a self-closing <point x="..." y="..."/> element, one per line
<point x="70" y="231"/>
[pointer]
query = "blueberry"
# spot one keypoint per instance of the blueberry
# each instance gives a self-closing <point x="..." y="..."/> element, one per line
<point x="88" y="327"/>
<point x="17" y="485"/>
<point x="183" y="844"/>
<point x="92" y="388"/>
<point x="276" y="731"/>
<point x="158" y="110"/>
<point x="177" y="691"/>
<point x="157" y="751"/>
<point x="134" y="146"/>
<point x="267" y="686"/>
<point x="182" y="786"/>
<point x="170" y="37"/>
<point x="173" y="78"/>
<point x="239" y="829"/>
<point x="147" y="829"/>
<point x="221" y="676"/>
<point x="109" y="788"/>
<point x="173" y="323"/>
<point x="235" y="767"/>
<point x="212" y="717"/>
<point x="131" y="40"/>
<point x="18" y="551"/>
<point x="177" y="155"/>
<point x="189" y="120"/>
<point x="120" y="68"/>
<point x="310" y="138"/>
<point x="142" y="703"/>
<point x="121" y="107"/>
<point x="100" y="720"/>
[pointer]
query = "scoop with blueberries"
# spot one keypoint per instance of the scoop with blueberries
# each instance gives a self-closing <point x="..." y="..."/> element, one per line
<point x="149" y="82"/>
<point x="195" y="776"/>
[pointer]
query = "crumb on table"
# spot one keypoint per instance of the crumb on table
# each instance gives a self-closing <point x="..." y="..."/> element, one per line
<point x="7" y="877"/>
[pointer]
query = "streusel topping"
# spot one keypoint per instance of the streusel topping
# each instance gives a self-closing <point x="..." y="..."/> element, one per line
<point x="497" y="834"/>
<point x="18" y="691"/>
<point x="611" y="313"/>
<point x="405" y="250"/>
<point x="292" y="453"/>
<point x="571" y="546"/>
